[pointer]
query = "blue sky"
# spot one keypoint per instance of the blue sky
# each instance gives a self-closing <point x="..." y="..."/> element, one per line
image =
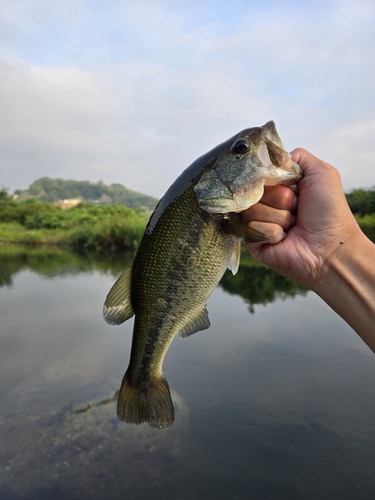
<point x="133" y="92"/>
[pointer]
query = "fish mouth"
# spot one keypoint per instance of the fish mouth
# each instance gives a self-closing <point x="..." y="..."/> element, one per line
<point x="272" y="152"/>
<point x="269" y="132"/>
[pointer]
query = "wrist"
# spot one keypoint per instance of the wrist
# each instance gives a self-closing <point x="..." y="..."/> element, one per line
<point x="346" y="284"/>
<point x="339" y="252"/>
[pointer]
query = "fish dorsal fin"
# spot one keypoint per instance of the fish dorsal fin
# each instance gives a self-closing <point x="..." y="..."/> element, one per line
<point x="234" y="262"/>
<point x="117" y="306"/>
<point x="198" y="323"/>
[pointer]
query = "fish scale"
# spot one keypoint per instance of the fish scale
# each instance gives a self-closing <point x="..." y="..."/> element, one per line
<point x="174" y="275"/>
<point x="191" y="238"/>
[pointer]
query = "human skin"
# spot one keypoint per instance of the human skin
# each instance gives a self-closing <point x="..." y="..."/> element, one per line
<point x="315" y="240"/>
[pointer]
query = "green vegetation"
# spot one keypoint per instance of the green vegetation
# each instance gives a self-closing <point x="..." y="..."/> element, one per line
<point x="362" y="204"/>
<point x="367" y="224"/>
<point x="362" y="201"/>
<point x="54" y="261"/>
<point x="95" y="229"/>
<point x="86" y="227"/>
<point x="258" y="284"/>
<point x="254" y="282"/>
<point x="53" y="190"/>
<point x="103" y="228"/>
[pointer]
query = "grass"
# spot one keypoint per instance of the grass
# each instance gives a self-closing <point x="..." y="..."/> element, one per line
<point x="88" y="227"/>
<point x="367" y="224"/>
<point x="84" y="228"/>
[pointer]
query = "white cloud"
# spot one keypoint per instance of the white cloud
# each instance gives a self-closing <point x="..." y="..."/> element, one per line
<point x="52" y="120"/>
<point x="135" y="92"/>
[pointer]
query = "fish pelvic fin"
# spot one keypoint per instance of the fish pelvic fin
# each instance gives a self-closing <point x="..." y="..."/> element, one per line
<point x="117" y="306"/>
<point x="234" y="262"/>
<point x="149" y="402"/>
<point x="198" y="323"/>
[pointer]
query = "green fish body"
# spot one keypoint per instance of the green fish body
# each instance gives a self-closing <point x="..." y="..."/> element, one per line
<point x="193" y="235"/>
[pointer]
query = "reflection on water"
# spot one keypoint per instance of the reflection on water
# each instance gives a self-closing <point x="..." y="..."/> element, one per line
<point x="273" y="405"/>
<point x="258" y="284"/>
<point x="61" y="452"/>
<point x="55" y="262"/>
<point x="254" y="282"/>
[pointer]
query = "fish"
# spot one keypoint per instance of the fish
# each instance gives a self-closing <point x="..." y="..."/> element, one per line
<point x="193" y="235"/>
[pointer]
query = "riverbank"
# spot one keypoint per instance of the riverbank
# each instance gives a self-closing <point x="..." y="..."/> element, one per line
<point x="100" y="238"/>
<point x="109" y="235"/>
<point x="84" y="228"/>
<point x="87" y="227"/>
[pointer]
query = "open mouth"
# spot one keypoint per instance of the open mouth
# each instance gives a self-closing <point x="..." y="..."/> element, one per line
<point x="270" y="132"/>
<point x="272" y="151"/>
<point x="271" y="155"/>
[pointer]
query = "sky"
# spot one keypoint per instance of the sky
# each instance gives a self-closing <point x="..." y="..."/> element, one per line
<point x="133" y="92"/>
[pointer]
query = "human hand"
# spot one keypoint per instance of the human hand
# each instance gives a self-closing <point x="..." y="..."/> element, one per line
<point x="306" y="225"/>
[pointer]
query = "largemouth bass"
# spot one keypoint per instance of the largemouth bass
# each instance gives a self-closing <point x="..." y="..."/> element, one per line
<point x="193" y="235"/>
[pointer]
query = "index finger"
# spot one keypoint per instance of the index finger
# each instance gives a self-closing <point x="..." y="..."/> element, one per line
<point x="306" y="160"/>
<point x="281" y="197"/>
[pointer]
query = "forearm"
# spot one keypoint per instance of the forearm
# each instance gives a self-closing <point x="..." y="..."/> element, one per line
<point x="347" y="285"/>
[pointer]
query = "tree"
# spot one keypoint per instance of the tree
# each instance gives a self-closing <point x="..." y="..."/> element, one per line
<point x="362" y="201"/>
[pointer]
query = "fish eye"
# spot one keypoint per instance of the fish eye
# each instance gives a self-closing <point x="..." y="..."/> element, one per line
<point x="240" y="147"/>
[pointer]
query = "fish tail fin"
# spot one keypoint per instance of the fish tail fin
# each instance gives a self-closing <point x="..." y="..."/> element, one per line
<point x="149" y="402"/>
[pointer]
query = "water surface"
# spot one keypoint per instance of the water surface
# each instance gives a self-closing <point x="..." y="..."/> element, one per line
<point x="278" y="403"/>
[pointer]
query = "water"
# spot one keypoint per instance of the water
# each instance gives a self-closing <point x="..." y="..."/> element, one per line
<point x="274" y="404"/>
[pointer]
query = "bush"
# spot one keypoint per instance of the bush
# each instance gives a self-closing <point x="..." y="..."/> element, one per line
<point x="11" y="211"/>
<point x="85" y="227"/>
<point x="367" y="224"/>
<point x="110" y="235"/>
<point x="361" y="201"/>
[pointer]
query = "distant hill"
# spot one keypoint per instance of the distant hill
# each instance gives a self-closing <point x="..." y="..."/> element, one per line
<point x="56" y="190"/>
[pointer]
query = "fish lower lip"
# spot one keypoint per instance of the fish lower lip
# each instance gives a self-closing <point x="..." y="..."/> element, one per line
<point x="290" y="166"/>
<point x="296" y="168"/>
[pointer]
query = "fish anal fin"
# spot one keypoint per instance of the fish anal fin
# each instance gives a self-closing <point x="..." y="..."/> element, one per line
<point x="149" y="402"/>
<point x="117" y="306"/>
<point x="198" y="323"/>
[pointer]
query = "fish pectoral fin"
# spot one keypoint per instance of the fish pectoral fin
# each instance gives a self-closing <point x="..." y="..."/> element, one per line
<point x="117" y="306"/>
<point x="253" y="235"/>
<point x="237" y="228"/>
<point x="234" y="262"/>
<point x="198" y="323"/>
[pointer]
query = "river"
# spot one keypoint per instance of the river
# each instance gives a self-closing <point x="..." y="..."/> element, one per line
<point x="275" y="401"/>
